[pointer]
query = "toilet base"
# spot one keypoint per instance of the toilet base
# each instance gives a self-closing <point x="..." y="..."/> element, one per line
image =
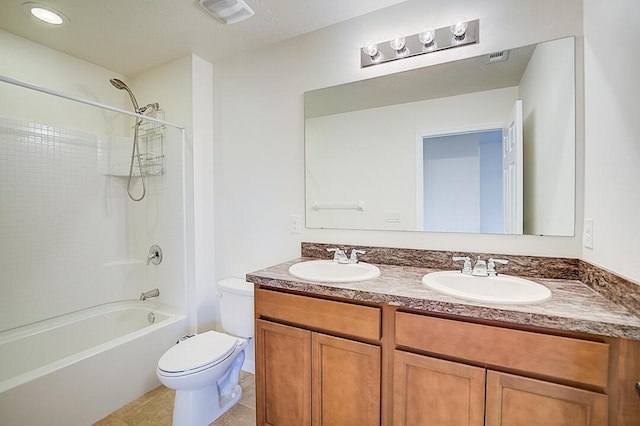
<point x="201" y="407"/>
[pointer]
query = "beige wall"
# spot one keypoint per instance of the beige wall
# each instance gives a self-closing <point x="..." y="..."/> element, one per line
<point x="259" y="133"/>
<point x="612" y="128"/>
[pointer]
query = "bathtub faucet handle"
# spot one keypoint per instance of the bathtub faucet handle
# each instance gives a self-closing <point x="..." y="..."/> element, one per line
<point x="151" y="293"/>
<point x="155" y="255"/>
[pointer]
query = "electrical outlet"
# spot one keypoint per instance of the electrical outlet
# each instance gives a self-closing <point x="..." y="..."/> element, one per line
<point x="294" y="224"/>
<point x="587" y="236"/>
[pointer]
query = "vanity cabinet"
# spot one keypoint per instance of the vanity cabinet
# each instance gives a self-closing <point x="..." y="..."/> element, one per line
<point x="431" y="391"/>
<point x="324" y="361"/>
<point x="468" y="391"/>
<point x="306" y="376"/>
<point x="521" y="401"/>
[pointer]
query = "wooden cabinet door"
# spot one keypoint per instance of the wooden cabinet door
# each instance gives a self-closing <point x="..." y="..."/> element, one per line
<point x="283" y="375"/>
<point x="430" y="391"/>
<point x="346" y="382"/>
<point x="514" y="401"/>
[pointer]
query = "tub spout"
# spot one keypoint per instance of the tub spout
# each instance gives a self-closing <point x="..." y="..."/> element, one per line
<point x="151" y="293"/>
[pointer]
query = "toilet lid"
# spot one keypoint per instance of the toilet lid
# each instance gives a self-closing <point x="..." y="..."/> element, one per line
<point x="197" y="352"/>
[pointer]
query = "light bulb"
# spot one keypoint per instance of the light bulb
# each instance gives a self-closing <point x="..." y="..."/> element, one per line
<point x="371" y="49"/>
<point x="426" y="37"/>
<point x="459" y="28"/>
<point x="44" y="14"/>
<point x="397" y="43"/>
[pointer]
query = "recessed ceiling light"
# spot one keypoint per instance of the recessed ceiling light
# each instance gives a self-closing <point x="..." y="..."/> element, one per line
<point x="45" y="13"/>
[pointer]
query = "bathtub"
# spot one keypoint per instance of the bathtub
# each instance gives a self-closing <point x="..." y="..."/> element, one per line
<point x="77" y="368"/>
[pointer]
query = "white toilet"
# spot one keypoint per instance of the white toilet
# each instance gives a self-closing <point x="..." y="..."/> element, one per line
<point x="204" y="369"/>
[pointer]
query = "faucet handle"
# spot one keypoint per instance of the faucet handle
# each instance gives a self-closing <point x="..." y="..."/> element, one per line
<point x="466" y="269"/>
<point x="155" y="255"/>
<point x="338" y="255"/>
<point x="354" y="255"/>
<point x="491" y="266"/>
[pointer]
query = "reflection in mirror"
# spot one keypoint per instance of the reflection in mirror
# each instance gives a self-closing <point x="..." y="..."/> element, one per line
<point x="480" y="145"/>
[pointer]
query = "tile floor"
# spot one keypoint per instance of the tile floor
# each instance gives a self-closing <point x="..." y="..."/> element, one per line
<point x="155" y="408"/>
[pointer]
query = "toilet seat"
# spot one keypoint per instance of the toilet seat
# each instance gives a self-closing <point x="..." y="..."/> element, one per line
<point x="197" y="353"/>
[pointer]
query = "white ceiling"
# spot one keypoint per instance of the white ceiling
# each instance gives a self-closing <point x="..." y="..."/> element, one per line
<point x="130" y="36"/>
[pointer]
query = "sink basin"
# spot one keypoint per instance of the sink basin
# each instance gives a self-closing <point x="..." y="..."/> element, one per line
<point x="333" y="272"/>
<point x="500" y="289"/>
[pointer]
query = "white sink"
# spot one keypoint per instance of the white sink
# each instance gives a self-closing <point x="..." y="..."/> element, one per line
<point x="500" y="289"/>
<point x="333" y="272"/>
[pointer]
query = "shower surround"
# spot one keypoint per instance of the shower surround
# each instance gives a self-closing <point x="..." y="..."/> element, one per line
<point x="72" y="245"/>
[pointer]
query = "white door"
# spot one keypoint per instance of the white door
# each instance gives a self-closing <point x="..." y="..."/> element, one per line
<point x="512" y="163"/>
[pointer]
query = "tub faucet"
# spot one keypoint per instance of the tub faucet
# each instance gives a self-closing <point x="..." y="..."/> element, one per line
<point x="151" y="293"/>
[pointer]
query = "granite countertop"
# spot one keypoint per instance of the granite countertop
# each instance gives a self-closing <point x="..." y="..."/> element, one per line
<point x="573" y="307"/>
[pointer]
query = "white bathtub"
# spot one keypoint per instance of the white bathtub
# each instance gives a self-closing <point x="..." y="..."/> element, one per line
<point x="77" y="368"/>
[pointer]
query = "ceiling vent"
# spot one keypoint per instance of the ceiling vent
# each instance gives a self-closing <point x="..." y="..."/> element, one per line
<point x="501" y="56"/>
<point x="227" y="11"/>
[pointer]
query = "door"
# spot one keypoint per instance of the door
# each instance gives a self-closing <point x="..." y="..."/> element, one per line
<point x="430" y="391"/>
<point x="520" y="401"/>
<point x="283" y="375"/>
<point x="512" y="172"/>
<point x="346" y="382"/>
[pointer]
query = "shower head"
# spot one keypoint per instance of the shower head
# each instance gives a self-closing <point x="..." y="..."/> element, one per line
<point x="119" y="84"/>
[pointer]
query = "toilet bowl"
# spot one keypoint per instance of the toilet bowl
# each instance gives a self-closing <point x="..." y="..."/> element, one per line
<point x="204" y="368"/>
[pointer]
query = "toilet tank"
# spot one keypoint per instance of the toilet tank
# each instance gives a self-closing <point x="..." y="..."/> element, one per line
<point x="236" y="306"/>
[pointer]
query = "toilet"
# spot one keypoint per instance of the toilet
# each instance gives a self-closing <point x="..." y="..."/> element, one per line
<point x="204" y="368"/>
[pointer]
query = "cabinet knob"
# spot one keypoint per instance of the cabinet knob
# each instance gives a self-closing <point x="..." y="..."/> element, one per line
<point x="638" y="387"/>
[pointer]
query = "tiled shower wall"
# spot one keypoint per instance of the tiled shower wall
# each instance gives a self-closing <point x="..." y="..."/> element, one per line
<point x="65" y="229"/>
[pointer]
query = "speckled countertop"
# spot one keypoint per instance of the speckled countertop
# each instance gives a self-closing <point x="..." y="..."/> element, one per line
<point x="573" y="306"/>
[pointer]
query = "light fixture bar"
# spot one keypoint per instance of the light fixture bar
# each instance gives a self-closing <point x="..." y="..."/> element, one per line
<point x="443" y="38"/>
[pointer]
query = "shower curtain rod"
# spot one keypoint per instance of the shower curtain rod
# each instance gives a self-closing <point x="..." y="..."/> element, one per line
<point x="84" y="101"/>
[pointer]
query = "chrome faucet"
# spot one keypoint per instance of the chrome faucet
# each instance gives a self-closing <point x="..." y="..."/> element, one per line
<point x="339" y="256"/>
<point x="466" y="269"/>
<point x="151" y="293"/>
<point x="480" y="268"/>
<point x="354" y="255"/>
<point x="491" y="266"/>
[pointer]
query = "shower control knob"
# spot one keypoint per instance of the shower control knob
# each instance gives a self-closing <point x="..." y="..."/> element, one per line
<point x="155" y="255"/>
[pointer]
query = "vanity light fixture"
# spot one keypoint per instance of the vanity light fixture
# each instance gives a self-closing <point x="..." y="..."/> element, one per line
<point x="460" y="33"/>
<point x="426" y="37"/>
<point x="398" y="43"/>
<point x="45" y="13"/>
<point x="459" y="28"/>
<point x="371" y="49"/>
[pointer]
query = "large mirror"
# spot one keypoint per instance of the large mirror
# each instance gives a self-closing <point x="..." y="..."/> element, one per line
<point x="479" y="145"/>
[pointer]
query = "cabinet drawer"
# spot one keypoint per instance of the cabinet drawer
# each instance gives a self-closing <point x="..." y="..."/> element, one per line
<point x="326" y="315"/>
<point x="565" y="358"/>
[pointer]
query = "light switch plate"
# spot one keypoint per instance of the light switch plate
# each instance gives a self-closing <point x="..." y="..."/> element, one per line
<point x="294" y="224"/>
